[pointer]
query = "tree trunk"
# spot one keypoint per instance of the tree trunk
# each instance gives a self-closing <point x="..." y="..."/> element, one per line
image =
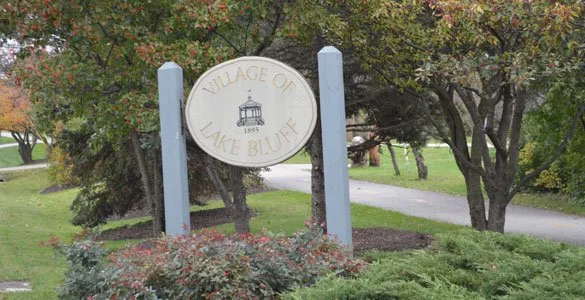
<point x="497" y="214"/>
<point x="462" y="155"/>
<point x="220" y="187"/>
<point x="240" y="210"/>
<point x="25" y="148"/>
<point x="475" y="201"/>
<point x="25" y="153"/>
<point x="421" y="168"/>
<point x="318" y="209"/>
<point x="45" y="140"/>
<point x="374" y="154"/>
<point x="473" y="181"/>
<point x="236" y="207"/>
<point x="394" y="162"/>
<point x="145" y="178"/>
<point x="158" y="217"/>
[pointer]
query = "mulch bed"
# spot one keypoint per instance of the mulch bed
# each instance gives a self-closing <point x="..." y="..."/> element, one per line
<point x="57" y="188"/>
<point x="364" y="239"/>
<point x="199" y="220"/>
<point x="388" y="239"/>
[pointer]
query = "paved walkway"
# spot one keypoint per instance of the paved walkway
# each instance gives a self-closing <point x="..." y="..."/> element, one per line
<point x="7" y="134"/>
<point x="8" y="145"/>
<point x="24" y="167"/>
<point x="436" y="206"/>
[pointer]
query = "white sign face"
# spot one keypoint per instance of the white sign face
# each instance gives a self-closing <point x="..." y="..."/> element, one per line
<point x="251" y="112"/>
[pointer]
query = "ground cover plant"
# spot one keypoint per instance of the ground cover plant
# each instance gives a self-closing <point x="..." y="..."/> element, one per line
<point x="206" y="265"/>
<point x="9" y="156"/>
<point x="467" y="265"/>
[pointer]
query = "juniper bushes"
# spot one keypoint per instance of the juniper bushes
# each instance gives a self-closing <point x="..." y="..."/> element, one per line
<point x="466" y="265"/>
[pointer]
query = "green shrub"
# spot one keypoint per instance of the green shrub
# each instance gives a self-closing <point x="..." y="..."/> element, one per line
<point x="61" y="168"/>
<point x="86" y="274"/>
<point x="207" y="265"/>
<point x="467" y="265"/>
<point x="567" y="174"/>
<point x="550" y="179"/>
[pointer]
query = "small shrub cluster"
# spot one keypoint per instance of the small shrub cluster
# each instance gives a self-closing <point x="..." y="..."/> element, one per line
<point x="61" y="168"/>
<point x="60" y="163"/>
<point x="206" y="265"/>
<point x="86" y="274"/>
<point x="550" y="180"/>
<point x="467" y="265"/>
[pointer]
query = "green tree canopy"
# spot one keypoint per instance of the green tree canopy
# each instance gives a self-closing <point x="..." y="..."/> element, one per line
<point x="477" y="62"/>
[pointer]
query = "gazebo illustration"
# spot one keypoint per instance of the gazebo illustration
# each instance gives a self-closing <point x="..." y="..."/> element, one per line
<point x="250" y="113"/>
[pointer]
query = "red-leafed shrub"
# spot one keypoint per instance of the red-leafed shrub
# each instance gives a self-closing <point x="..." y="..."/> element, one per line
<point x="210" y="265"/>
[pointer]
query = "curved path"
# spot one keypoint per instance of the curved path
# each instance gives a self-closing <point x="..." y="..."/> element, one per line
<point x="436" y="206"/>
<point x="24" y="167"/>
<point x="8" y="145"/>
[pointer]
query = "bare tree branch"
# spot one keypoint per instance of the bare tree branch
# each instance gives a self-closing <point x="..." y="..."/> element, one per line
<point x="415" y="46"/>
<point x="373" y="142"/>
<point x="247" y="31"/>
<point x="477" y="92"/>
<point x="267" y="40"/>
<point x="240" y="52"/>
<point x="494" y="139"/>
<point x="445" y="137"/>
<point x="361" y="128"/>
<point x="108" y="57"/>
<point x="358" y="125"/>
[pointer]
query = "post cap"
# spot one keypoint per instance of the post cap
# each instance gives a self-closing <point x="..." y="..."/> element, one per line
<point x="169" y="66"/>
<point x="329" y="49"/>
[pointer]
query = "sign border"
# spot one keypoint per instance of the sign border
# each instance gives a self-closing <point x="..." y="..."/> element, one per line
<point x="286" y="156"/>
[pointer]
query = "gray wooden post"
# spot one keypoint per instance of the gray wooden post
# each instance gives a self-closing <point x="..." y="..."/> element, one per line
<point x="332" y="104"/>
<point x="174" y="153"/>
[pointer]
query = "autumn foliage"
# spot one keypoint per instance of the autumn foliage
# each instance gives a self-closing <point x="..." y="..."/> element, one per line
<point x="14" y="107"/>
<point x="205" y="265"/>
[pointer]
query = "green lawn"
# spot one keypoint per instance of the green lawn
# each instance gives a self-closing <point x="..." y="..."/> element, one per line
<point x="9" y="157"/>
<point x="6" y="140"/>
<point x="442" y="170"/>
<point x="286" y="211"/>
<point x="302" y="157"/>
<point x="28" y="218"/>
<point x="443" y="173"/>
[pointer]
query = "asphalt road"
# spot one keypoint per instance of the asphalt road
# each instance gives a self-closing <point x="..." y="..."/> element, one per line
<point x="436" y="206"/>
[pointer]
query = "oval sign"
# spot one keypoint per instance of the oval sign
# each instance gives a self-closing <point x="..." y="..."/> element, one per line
<point x="251" y="112"/>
